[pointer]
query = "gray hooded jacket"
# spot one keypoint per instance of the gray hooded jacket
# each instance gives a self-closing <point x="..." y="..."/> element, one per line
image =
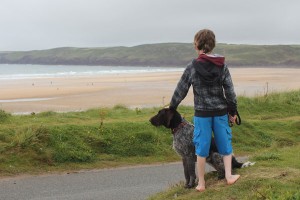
<point x="212" y="87"/>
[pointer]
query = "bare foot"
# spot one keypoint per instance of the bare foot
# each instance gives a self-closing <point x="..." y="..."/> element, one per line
<point x="232" y="179"/>
<point x="200" y="188"/>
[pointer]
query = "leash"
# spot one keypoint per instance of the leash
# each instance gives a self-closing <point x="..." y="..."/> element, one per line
<point x="238" y="120"/>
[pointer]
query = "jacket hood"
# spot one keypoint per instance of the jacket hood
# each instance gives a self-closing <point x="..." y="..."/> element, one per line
<point x="215" y="59"/>
<point x="209" y="68"/>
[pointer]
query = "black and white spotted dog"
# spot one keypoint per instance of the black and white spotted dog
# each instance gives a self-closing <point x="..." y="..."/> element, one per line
<point x="182" y="132"/>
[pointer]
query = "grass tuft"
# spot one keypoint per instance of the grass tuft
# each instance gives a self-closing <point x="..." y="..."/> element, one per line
<point x="4" y="116"/>
<point x="268" y="156"/>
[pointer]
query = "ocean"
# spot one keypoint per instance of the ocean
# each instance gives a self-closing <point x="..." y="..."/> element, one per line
<point x="21" y="71"/>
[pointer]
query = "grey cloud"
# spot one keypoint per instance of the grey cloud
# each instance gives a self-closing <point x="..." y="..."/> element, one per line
<point x="36" y="24"/>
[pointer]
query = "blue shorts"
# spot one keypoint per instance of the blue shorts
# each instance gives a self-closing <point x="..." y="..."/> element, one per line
<point x="204" y="126"/>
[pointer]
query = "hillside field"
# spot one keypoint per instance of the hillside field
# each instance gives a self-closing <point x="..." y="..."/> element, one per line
<point x="164" y="54"/>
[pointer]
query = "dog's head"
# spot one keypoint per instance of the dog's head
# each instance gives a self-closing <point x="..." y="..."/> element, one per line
<point x="163" y="117"/>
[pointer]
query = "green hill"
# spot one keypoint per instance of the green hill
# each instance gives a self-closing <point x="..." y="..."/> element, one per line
<point x="164" y="54"/>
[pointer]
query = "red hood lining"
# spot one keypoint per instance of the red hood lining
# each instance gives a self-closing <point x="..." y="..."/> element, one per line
<point x="212" y="58"/>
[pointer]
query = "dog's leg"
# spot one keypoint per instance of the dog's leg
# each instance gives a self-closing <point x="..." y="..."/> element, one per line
<point x="235" y="163"/>
<point x="186" y="171"/>
<point x="217" y="162"/>
<point x="192" y="173"/>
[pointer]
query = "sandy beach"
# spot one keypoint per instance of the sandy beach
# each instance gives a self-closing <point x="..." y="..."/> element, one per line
<point x="132" y="90"/>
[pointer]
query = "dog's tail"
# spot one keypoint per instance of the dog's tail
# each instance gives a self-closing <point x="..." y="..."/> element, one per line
<point x="248" y="164"/>
<point x="237" y="164"/>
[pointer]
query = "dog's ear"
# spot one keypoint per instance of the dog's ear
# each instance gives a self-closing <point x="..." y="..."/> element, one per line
<point x="169" y="116"/>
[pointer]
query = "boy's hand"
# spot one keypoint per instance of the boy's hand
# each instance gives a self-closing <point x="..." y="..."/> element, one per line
<point x="232" y="119"/>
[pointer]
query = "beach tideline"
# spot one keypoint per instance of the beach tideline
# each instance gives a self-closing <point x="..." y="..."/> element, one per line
<point x="62" y="94"/>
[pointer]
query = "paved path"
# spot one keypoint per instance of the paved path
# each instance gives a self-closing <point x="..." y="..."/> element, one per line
<point x="126" y="183"/>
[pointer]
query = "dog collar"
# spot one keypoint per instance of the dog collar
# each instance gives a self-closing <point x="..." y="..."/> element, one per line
<point x="182" y="124"/>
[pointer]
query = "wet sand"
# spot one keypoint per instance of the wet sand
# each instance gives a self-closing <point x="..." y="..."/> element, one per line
<point x="132" y="90"/>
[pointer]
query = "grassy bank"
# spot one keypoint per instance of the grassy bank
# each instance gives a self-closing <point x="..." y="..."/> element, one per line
<point x="108" y="137"/>
<point x="270" y="135"/>
<point x="96" y="138"/>
<point x="274" y="176"/>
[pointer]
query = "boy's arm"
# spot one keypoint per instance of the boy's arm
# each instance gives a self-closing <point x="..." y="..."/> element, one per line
<point x="181" y="89"/>
<point x="229" y="93"/>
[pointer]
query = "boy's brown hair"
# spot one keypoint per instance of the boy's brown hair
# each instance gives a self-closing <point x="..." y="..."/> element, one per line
<point x="205" y="40"/>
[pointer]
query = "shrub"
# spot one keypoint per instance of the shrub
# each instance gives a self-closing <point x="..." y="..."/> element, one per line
<point x="47" y="114"/>
<point x="69" y="145"/>
<point x="72" y="152"/>
<point x="4" y="115"/>
<point x="134" y="139"/>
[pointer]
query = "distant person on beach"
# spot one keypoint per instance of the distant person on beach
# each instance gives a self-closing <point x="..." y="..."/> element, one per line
<point x="214" y="99"/>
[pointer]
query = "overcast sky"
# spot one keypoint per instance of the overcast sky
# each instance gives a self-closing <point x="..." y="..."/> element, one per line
<point x="44" y="24"/>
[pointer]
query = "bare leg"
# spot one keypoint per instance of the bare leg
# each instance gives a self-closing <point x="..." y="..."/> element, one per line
<point x="231" y="179"/>
<point x="201" y="171"/>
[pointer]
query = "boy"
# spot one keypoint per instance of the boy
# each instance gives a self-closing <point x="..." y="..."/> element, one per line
<point x="214" y="99"/>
